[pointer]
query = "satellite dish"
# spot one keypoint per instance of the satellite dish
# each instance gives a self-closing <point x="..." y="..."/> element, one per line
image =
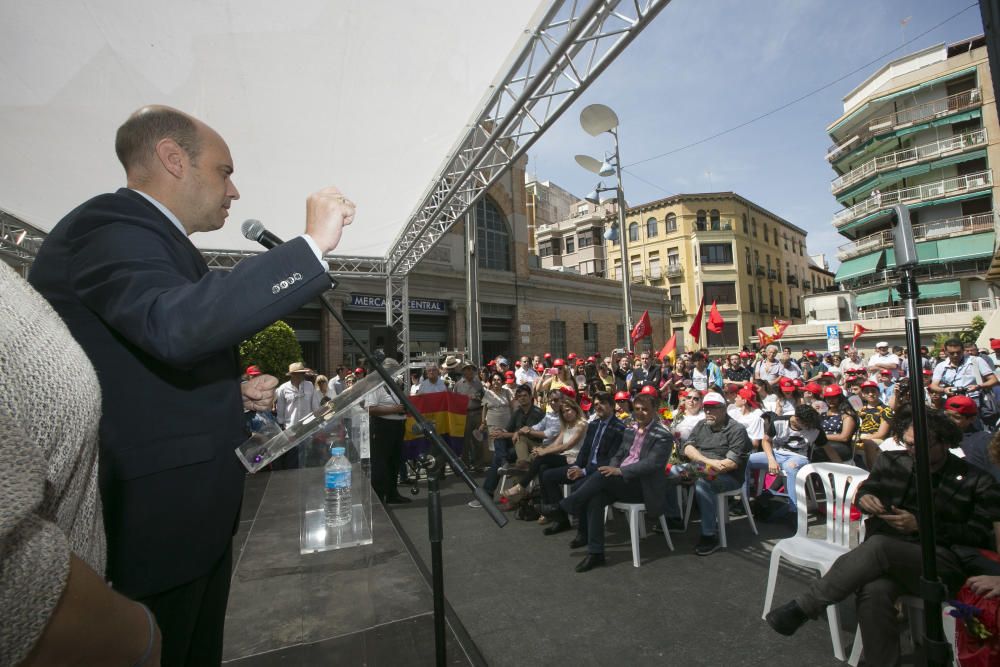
<point x="590" y="164"/>
<point x="597" y="119"/>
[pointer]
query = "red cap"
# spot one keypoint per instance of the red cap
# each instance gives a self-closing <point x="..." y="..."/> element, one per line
<point x="928" y="371"/>
<point x="253" y="371"/>
<point x="571" y="356"/>
<point x="788" y="387"/>
<point x="682" y="393"/>
<point x="797" y="382"/>
<point x="622" y="396"/>
<point x="649" y="390"/>
<point x="547" y="355"/>
<point x="748" y="395"/>
<point x="491" y="363"/>
<point x="810" y="353"/>
<point x="539" y="368"/>
<point x="963" y="405"/>
<point x="869" y="383"/>
<point x="827" y="374"/>
<point x="832" y="390"/>
<point x="744" y="354"/>
<point x="580" y="362"/>
<point x="558" y="363"/>
<point x="814" y="388"/>
<point x="509" y="377"/>
<point x="359" y="371"/>
<point x="567" y="391"/>
<point x="886" y="371"/>
<point x="585" y="402"/>
<point x="846" y="348"/>
<point x="995" y="343"/>
<point x="589" y="359"/>
<point x="517" y="364"/>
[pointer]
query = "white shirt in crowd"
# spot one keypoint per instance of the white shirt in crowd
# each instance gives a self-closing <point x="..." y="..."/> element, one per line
<point x="525" y="375"/>
<point x="779" y="405"/>
<point x="428" y="387"/>
<point x="383" y="397"/>
<point x="753" y="421"/>
<point x="889" y="358"/>
<point x="682" y="430"/>
<point x="293" y="403"/>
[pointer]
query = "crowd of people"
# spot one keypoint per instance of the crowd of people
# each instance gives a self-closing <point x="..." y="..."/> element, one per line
<point x="626" y="428"/>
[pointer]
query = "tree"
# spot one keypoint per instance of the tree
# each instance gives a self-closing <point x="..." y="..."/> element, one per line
<point x="968" y="335"/>
<point x="272" y="350"/>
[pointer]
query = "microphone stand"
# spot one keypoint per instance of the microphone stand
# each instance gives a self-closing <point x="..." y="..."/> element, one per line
<point x="435" y="523"/>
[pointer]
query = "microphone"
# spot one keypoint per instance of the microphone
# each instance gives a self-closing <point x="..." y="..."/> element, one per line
<point x="255" y="230"/>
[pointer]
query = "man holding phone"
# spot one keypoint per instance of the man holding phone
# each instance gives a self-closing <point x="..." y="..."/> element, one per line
<point x="888" y="563"/>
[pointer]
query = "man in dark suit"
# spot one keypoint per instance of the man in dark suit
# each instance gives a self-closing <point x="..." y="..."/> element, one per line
<point x="161" y="331"/>
<point x="634" y="475"/>
<point x="603" y="437"/>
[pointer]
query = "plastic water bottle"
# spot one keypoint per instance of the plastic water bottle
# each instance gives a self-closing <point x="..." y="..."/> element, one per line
<point x="338" y="489"/>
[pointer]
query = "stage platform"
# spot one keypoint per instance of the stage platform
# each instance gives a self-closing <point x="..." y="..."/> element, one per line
<point x="367" y="605"/>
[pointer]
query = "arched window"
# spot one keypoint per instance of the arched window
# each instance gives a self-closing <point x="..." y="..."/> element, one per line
<point x="671" y="223"/>
<point x="700" y="224"/>
<point x="633" y="231"/>
<point x="745" y="230"/>
<point x="492" y="236"/>
<point x="716" y="224"/>
<point x="651" y="228"/>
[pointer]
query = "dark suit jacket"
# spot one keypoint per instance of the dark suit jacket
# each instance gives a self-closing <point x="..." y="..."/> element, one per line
<point x="653" y="457"/>
<point x="611" y="439"/>
<point x="160" y="330"/>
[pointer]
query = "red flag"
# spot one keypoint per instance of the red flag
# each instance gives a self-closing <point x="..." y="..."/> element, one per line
<point x="764" y="339"/>
<point x="695" y="330"/>
<point x="715" y="320"/>
<point x="779" y="327"/>
<point x="858" y="330"/>
<point x="643" y="328"/>
<point x="669" y="351"/>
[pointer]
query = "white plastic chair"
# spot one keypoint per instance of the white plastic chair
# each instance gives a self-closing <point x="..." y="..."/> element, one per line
<point x="914" y="607"/>
<point x="840" y="484"/>
<point x="637" y="526"/>
<point x="722" y="510"/>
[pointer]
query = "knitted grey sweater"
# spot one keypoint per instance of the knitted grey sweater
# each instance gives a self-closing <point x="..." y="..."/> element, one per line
<point x="50" y="406"/>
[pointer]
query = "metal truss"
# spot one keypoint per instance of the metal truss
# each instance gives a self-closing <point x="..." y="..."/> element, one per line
<point x="572" y="44"/>
<point x="340" y="265"/>
<point x="19" y="241"/>
<point x="397" y="311"/>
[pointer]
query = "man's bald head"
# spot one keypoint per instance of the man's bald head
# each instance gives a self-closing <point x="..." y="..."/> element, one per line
<point x="138" y="136"/>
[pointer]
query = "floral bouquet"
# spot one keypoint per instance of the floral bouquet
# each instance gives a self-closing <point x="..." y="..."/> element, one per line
<point x="688" y="470"/>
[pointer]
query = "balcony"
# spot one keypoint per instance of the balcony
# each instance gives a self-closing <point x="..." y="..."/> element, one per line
<point x="909" y="156"/>
<point x="675" y="308"/>
<point x="636" y="277"/>
<point x="949" y="187"/>
<point x="957" y="307"/>
<point x="655" y="274"/>
<point x="760" y="272"/>
<point x="772" y="275"/>
<point x="792" y="280"/>
<point x="674" y="270"/>
<point x="774" y="309"/>
<point x="979" y="222"/>
<point x="806" y="284"/>
<point x="921" y="272"/>
<point x="795" y="312"/>
<point x="921" y="113"/>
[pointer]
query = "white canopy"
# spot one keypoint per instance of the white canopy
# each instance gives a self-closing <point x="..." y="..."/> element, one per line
<point x="368" y="95"/>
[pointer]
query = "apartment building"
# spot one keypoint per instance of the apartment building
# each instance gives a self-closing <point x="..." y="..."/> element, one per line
<point x="575" y="244"/>
<point x="921" y="131"/>
<point x="717" y="246"/>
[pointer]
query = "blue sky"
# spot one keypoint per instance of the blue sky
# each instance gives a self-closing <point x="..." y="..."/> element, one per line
<point x="704" y="66"/>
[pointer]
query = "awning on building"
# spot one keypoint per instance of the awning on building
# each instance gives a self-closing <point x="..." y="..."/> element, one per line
<point x="939" y="290"/>
<point x="965" y="247"/>
<point x="872" y="298"/>
<point x="858" y="266"/>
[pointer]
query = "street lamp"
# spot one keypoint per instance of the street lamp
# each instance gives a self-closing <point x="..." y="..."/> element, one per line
<point x="597" y="119"/>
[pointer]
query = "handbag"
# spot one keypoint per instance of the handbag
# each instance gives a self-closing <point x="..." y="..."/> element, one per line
<point x="988" y="409"/>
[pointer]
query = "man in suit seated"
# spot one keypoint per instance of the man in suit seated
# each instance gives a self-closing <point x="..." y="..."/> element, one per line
<point x="634" y="475"/>
<point x="722" y="445"/>
<point x="604" y="436"/>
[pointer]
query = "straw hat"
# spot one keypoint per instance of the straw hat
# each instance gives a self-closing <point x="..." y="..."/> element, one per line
<point x="297" y="367"/>
<point x="451" y="363"/>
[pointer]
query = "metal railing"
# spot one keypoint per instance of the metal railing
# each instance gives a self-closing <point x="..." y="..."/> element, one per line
<point x="953" y="308"/>
<point x="979" y="222"/>
<point x="795" y="312"/>
<point x="774" y="310"/>
<point x="927" y="272"/>
<point x="674" y="270"/>
<point x="806" y="284"/>
<point x="910" y="156"/>
<point x="918" y="193"/>
<point x="792" y="280"/>
<point x="772" y="274"/>
<point x="938" y="108"/>
<point x="760" y="271"/>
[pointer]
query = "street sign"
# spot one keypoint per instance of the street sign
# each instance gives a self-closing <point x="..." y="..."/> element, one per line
<point x="832" y="338"/>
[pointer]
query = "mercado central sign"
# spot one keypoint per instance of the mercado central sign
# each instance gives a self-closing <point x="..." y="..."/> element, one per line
<point x="376" y="302"/>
